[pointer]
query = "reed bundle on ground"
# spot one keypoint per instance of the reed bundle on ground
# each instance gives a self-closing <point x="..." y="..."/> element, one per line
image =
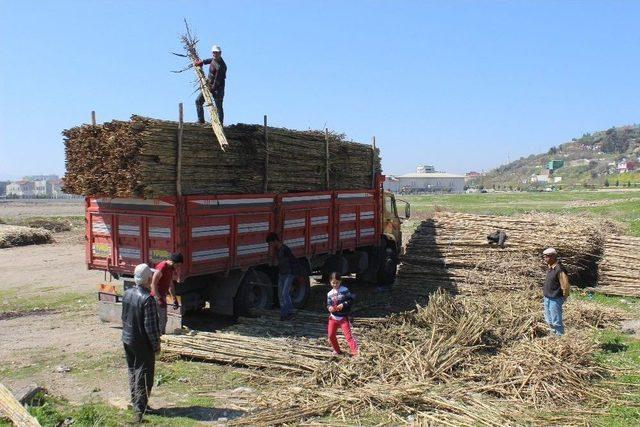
<point x="451" y="251"/>
<point x="619" y="268"/>
<point x="280" y="354"/>
<point x="138" y="158"/>
<point x="16" y="235"/>
<point x="446" y="362"/>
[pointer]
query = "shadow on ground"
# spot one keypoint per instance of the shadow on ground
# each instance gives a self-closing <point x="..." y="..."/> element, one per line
<point x="199" y="413"/>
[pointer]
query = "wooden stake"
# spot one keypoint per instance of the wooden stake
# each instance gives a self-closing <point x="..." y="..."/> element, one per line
<point x="93" y="118"/>
<point x="326" y="140"/>
<point x="373" y="163"/>
<point x="266" y="156"/>
<point x="179" y="149"/>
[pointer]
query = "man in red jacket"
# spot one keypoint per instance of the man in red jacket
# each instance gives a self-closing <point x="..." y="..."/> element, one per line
<point x="162" y="284"/>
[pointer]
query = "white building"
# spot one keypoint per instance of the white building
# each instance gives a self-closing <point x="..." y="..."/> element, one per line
<point x="539" y="179"/>
<point x="21" y="188"/>
<point x="433" y="182"/>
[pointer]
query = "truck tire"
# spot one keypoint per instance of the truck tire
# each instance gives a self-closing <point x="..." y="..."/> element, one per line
<point x="388" y="266"/>
<point x="255" y="292"/>
<point x="300" y="291"/>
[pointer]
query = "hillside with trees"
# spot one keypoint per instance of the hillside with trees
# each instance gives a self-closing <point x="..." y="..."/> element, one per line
<point x="591" y="160"/>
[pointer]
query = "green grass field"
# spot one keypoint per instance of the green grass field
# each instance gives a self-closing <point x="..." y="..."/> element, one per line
<point x="617" y="205"/>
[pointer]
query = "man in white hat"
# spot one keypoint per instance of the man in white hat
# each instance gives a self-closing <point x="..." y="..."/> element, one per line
<point x="216" y="79"/>
<point x="141" y="338"/>
<point x="556" y="289"/>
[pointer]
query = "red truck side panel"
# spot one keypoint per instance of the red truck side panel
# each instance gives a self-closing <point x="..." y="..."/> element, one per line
<point x="122" y="233"/>
<point x="357" y="219"/>
<point x="226" y="232"/>
<point x="221" y="233"/>
<point x="305" y="219"/>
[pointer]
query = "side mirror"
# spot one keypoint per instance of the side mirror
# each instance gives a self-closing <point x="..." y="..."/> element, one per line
<point x="407" y="210"/>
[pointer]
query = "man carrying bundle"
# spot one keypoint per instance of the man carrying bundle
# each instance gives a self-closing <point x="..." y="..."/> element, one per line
<point x="556" y="289"/>
<point x="216" y="78"/>
<point x="141" y="338"/>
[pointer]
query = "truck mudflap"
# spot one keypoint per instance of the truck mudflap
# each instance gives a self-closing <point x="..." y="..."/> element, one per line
<point x="110" y="309"/>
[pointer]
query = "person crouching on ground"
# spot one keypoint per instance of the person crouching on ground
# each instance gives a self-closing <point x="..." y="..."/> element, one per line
<point x="556" y="289"/>
<point x="339" y="302"/>
<point x="162" y="284"/>
<point x="141" y="338"/>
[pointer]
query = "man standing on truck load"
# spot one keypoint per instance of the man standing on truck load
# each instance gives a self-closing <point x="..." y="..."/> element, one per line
<point x="141" y="338"/>
<point x="556" y="289"/>
<point x="162" y="284"/>
<point x="288" y="270"/>
<point x="216" y="79"/>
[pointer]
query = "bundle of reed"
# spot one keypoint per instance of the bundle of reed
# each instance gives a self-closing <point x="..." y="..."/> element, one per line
<point x="544" y="371"/>
<point x="444" y="362"/>
<point x="12" y="410"/>
<point x="619" y="269"/>
<point x="240" y="350"/>
<point x="16" y="235"/>
<point x="451" y="251"/>
<point x="138" y="158"/>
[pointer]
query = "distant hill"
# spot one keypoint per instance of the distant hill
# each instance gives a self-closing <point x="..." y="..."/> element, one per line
<point x="590" y="160"/>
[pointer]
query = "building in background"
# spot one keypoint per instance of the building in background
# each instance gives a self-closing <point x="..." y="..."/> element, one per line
<point x="22" y="188"/>
<point x="3" y="188"/>
<point x="45" y="186"/>
<point x="425" y="169"/>
<point x="626" y="166"/>
<point x="430" y="182"/>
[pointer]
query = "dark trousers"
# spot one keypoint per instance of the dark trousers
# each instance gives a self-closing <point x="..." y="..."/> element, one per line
<point x="141" y="365"/>
<point x="218" y="96"/>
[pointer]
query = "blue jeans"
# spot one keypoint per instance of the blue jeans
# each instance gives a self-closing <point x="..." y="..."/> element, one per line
<point x="553" y="314"/>
<point x="284" y="293"/>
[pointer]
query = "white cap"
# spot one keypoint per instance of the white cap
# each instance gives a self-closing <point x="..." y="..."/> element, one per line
<point x="215" y="48"/>
<point x="141" y="274"/>
<point x="549" y="251"/>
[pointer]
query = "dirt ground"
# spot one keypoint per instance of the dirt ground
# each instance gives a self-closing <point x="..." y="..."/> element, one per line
<point x="41" y="207"/>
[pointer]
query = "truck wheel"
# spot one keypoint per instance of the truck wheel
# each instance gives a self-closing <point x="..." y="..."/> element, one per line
<point x="255" y="292"/>
<point x="300" y="291"/>
<point x="389" y="266"/>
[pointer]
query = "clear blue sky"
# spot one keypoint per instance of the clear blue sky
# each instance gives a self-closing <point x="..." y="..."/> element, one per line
<point x="462" y="85"/>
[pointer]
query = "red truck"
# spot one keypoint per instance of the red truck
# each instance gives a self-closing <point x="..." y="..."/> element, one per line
<point x="228" y="266"/>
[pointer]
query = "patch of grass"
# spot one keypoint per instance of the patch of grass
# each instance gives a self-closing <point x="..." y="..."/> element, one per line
<point x="621" y="352"/>
<point x="629" y="304"/>
<point x="625" y="210"/>
<point x="182" y="376"/>
<point x="55" y="224"/>
<point x="14" y="301"/>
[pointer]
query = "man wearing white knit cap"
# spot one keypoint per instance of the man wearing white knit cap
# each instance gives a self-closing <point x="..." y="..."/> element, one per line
<point x="556" y="290"/>
<point x="140" y="337"/>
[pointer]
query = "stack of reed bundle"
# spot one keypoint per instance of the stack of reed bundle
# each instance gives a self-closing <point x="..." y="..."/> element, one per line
<point x="138" y="158"/>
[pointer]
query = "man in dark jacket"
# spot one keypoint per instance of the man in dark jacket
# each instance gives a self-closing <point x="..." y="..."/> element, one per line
<point x="216" y="79"/>
<point x="555" y="289"/>
<point x="289" y="269"/>
<point x="141" y="338"/>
